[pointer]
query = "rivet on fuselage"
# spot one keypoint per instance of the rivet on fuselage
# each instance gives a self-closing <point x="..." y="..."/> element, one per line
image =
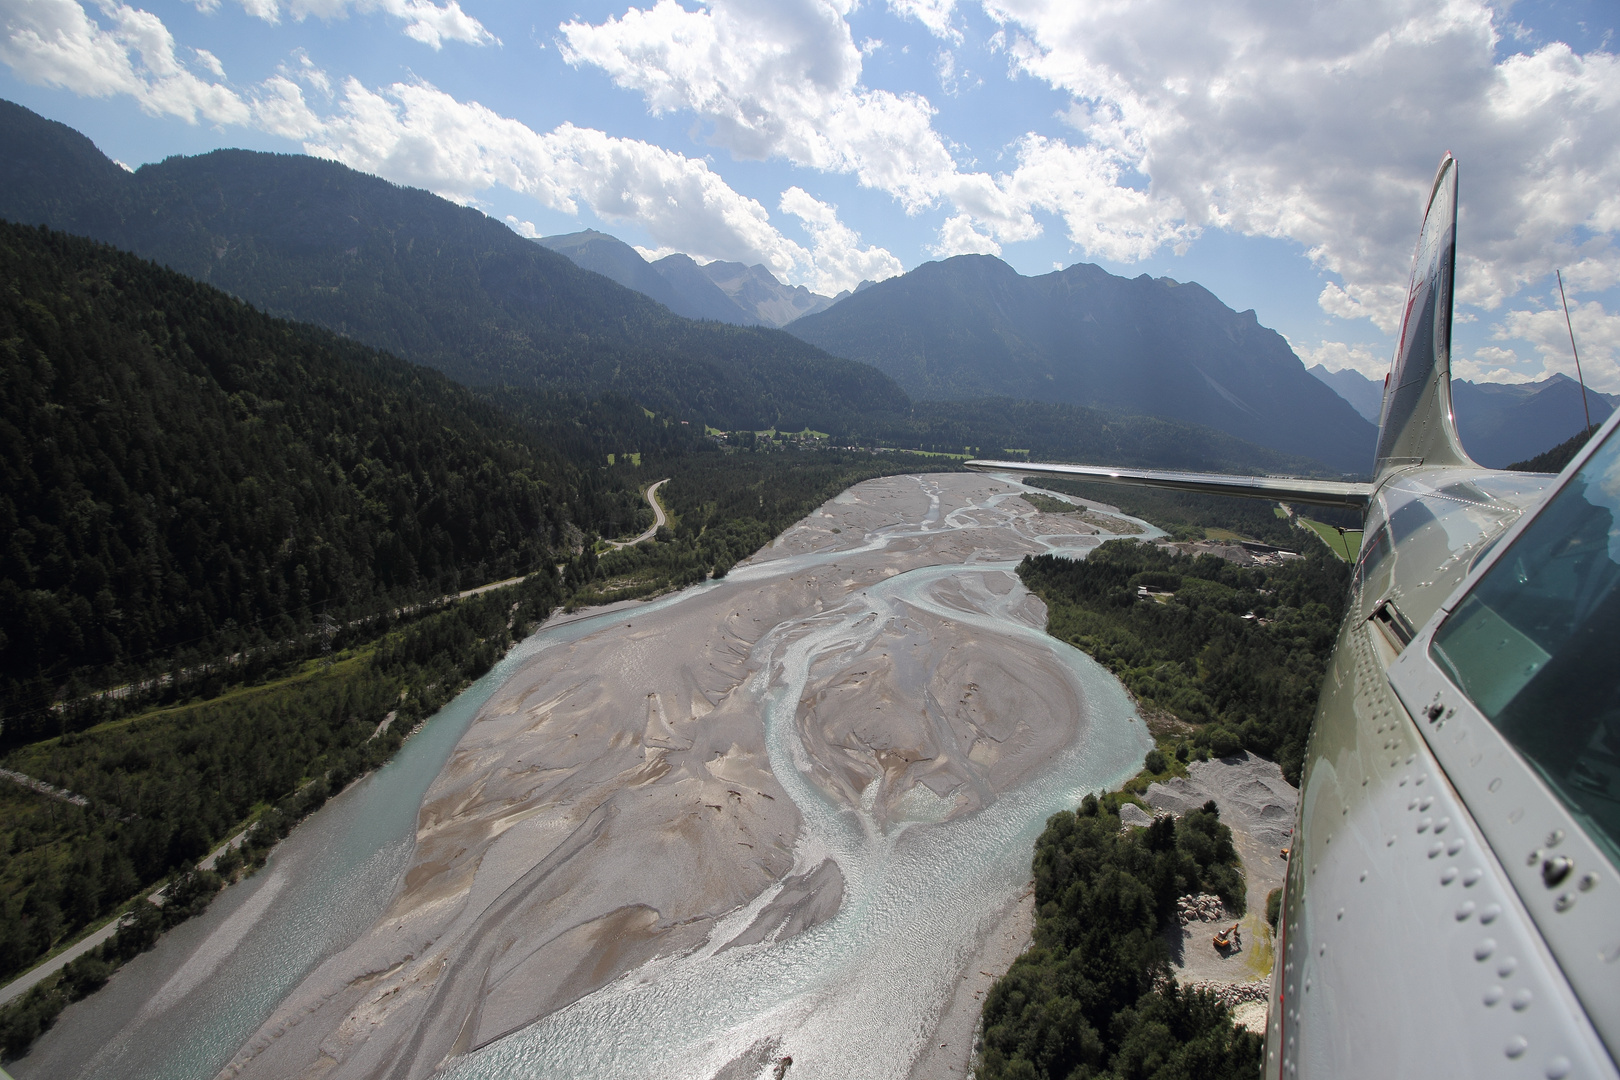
<point x="1521" y="1000"/>
<point x="1448" y="875"/>
<point x="1483" y="950"/>
<point x="1516" y="1047"/>
<point x="1466" y="910"/>
<point x="1471" y="878"/>
<point x="1493" y="995"/>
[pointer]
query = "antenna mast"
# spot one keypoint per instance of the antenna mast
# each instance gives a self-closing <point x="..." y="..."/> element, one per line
<point x="1571" y="328"/>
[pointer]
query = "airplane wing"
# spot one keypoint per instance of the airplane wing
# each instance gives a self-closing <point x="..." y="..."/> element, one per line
<point x="1280" y="488"/>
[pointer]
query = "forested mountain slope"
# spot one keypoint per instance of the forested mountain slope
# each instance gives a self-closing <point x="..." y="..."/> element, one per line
<point x="404" y="270"/>
<point x="972" y="326"/>
<point x="179" y="471"/>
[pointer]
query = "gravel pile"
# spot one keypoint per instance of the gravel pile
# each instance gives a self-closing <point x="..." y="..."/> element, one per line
<point x="1200" y="908"/>
<point x="1133" y="816"/>
<point x="1250" y="791"/>
<point x="1234" y="994"/>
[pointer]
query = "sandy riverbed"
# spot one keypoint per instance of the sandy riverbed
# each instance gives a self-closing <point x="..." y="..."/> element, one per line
<point x="618" y="806"/>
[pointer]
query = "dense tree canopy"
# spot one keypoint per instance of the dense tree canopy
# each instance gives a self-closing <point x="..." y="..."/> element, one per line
<point x="1093" y="997"/>
<point x="1239" y="651"/>
<point x="178" y="471"/>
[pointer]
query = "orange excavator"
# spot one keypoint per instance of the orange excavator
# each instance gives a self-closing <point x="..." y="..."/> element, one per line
<point x="1226" y="938"/>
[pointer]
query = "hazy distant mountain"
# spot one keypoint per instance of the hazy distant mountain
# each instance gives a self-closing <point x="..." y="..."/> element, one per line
<point x="972" y="326"/>
<point x="756" y="290"/>
<point x="725" y="291"/>
<point x="1365" y="395"/>
<point x="1499" y="423"/>
<point x="684" y="289"/>
<point x="407" y="271"/>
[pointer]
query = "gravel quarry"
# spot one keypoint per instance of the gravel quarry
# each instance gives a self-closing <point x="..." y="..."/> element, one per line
<point x="1258" y="805"/>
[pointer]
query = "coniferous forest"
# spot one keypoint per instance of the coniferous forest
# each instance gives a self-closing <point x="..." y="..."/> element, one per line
<point x="184" y="476"/>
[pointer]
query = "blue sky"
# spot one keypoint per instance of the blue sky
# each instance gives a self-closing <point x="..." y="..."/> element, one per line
<point x="1276" y="152"/>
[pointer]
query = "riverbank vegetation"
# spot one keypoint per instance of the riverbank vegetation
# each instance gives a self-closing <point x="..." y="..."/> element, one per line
<point x="1093" y="997"/>
<point x="1238" y="652"/>
<point x="162" y="789"/>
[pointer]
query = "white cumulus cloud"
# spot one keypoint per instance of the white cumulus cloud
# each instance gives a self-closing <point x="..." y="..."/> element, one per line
<point x="431" y="24"/>
<point x="838" y="260"/>
<point x="1369" y="360"/>
<point x="57" y="43"/>
<point x="784" y="82"/>
<point x="934" y="14"/>
<point x="1322" y="123"/>
<point x="1597" y="333"/>
<point x="1492" y="364"/>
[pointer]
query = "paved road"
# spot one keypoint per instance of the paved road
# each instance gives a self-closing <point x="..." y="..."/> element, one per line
<point x="23" y="983"/>
<point x="658" y="517"/>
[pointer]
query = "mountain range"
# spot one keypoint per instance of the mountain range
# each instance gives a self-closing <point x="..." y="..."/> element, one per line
<point x="1499" y="423"/>
<point x="410" y="272"/>
<point x="970" y="326"/>
<point x="728" y="292"/>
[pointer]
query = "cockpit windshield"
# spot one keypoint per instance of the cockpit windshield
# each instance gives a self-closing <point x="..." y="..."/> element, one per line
<point x="1536" y="645"/>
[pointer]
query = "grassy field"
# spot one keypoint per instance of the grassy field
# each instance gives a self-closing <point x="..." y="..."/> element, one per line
<point x="1347" y="547"/>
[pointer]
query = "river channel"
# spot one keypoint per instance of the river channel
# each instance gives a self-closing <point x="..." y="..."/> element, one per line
<point x="856" y="994"/>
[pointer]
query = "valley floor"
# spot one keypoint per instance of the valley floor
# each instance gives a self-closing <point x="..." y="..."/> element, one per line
<point x="788" y="813"/>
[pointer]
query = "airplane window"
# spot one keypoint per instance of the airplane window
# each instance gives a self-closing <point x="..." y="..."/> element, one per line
<point x="1534" y="645"/>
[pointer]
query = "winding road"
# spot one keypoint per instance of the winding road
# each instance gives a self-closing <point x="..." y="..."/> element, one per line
<point x="659" y="519"/>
